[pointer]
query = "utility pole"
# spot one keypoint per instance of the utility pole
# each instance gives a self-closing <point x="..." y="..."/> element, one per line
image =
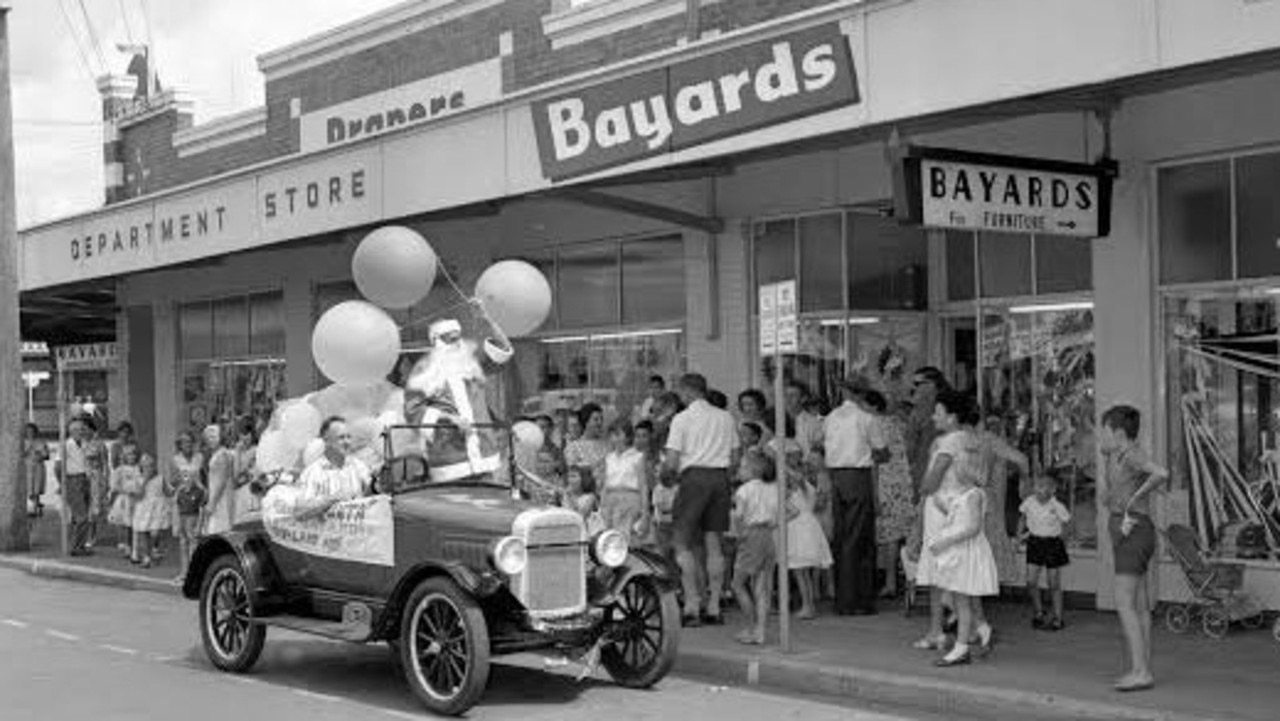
<point x="14" y="533"/>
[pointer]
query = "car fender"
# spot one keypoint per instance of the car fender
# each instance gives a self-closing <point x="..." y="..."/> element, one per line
<point x="477" y="583"/>
<point x="251" y="549"/>
<point x="640" y="562"/>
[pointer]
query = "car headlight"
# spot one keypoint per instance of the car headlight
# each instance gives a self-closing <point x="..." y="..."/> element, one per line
<point x="510" y="555"/>
<point x="610" y="549"/>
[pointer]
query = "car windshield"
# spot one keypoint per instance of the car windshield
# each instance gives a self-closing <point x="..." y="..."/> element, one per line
<point x="441" y="454"/>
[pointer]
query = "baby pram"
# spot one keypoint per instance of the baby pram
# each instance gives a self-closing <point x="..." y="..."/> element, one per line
<point x="1217" y="600"/>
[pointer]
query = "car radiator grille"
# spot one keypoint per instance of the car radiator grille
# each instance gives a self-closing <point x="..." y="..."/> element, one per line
<point x="554" y="581"/>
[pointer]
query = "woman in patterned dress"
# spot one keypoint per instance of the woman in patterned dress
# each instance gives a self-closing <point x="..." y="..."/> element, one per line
<point x="895" y="516"/>
<point x="997" y="456"/>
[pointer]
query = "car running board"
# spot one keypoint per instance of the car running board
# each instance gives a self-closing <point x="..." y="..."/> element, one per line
<point x="355" y="626"/>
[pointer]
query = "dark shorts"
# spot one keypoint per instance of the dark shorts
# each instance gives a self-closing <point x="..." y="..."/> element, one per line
<point x="1133" y="552"/>
<point x="1047" y="551"/>
<point x="702" y="504"/>
<point x="756" y="553"/>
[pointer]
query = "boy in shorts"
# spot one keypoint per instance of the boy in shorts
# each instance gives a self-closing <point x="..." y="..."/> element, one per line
<point x="1128" y="483"/>
<point x="1042" y="523"/>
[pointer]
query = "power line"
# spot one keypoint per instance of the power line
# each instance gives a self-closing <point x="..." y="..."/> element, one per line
<point x="75" y="38"/>
<point x="124" y="15"/>
<point x="93" y="35"/>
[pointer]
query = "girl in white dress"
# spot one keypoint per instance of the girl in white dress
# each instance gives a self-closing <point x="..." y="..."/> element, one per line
<point x="151" y="514"/>
<point x="808" y="552"/>
<point x="955" y="556"/>
<point x="222" y="483"/>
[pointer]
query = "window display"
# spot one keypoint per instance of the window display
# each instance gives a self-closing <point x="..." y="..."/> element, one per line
<point x="1223" y="356"/>
<point x="232" y="359"/>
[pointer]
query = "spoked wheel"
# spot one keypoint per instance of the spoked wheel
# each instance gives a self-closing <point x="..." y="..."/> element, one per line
<point x="642" y="634"/>
<point x="444" y="647"/>
<point x="1216" y="622"/>
<point x="1254" y="622"/>
<point x="1177" y="618"/>
<point x="232" y="640"/>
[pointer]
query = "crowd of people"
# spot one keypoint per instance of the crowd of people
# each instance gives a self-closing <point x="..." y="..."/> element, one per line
<point x="876" y="494"/>
<point x="118" y="494"/>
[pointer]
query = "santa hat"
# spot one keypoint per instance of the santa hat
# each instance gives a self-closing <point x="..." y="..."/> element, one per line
<point x="444" y="327"/>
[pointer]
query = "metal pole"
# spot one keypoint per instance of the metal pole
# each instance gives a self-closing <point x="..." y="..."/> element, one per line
<point x="784" y="576"/>
<point x="15" y="533"/>
<point x="62" y="461"/>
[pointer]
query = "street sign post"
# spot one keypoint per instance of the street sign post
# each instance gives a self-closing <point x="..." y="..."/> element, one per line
<point x="779" y="335"/>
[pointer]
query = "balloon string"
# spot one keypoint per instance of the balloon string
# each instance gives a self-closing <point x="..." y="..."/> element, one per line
<point x="449" y="278"/>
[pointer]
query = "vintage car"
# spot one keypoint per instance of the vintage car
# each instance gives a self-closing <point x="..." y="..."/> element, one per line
<point x="449" y="575"/>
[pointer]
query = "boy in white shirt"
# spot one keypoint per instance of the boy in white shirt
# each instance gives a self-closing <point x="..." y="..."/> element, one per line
<point x="1042" y="523"/>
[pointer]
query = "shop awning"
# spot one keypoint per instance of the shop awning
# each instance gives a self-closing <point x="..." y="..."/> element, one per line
<point x="70" y="314"/>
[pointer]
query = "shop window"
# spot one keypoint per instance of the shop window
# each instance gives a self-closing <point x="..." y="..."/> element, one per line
<point x="611" y="369"/>
<point x="1223" y="408"/>
<point x="1063" y="265"/>
<point x="775" y="251"/>
<point x="1258" y="215"/>
<point x="1194" y="207"/>
<point x="587" y="281"/>
<point x="821" y="254"/>
<point x="653" y="280"/>
<point x="960" y="262"/>
<point x="888" y="264"/>
<point x="231" y="359"/>
<point x="1005" y="261"/>
<point x="1037" y="394"/>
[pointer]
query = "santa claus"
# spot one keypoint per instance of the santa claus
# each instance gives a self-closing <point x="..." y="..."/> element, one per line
<point x="445" y="392"/>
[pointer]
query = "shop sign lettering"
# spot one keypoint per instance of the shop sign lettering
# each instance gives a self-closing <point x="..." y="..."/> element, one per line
<point x="405" y="106"/>
<point x="88" y="356"/>
<point x="971" y="191"/>
<point x="142" y="236"/>
<point x="338" y="191"/>
<point x="696" y="101"/>
<point x="313" y="194"/>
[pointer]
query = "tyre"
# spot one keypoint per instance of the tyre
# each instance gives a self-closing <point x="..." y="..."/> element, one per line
<point x="444" y="647"/>
<point x="1215" y="622"/>
<point x="642" y="634"/>
<point x="232" y="640"/>
<point x="1254" y="622"/>
<point x="1177" y="618"/>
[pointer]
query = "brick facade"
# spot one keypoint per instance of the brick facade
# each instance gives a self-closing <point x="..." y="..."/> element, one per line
<point x="152" y="163"/>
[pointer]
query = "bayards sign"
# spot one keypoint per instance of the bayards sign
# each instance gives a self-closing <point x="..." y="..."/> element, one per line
<point x="697" y="101"/>
<point x="943" y="188"/>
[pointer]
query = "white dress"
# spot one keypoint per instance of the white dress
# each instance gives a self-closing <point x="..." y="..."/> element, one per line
<point x="967" y="566"/>
<point x="964" y="451"/>
<point x="806" y="543"/>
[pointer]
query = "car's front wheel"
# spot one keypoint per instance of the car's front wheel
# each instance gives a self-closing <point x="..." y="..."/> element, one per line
<point x="643" y="634"/>
<point x="444" y="647"/>
<point x="232" y="640"/>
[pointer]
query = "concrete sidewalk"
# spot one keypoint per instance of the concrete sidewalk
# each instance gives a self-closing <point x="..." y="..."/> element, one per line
<point x="1030" y="675"/>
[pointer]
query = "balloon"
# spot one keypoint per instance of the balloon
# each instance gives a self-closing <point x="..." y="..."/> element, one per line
<point x="394" y="267"/>
<point x="313" y="451"/>
<point x="300" y="422"/>
<point x="528" y="434"/>
<point x="515" y="295"/>
<point x="355" y="343"/>
<point x="274" y="454"/>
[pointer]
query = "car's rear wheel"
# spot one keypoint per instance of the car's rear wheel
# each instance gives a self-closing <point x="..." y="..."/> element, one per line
<point x="444" y="647"/>
<point x="232" y="640"/>
<point x="642" y="634"/>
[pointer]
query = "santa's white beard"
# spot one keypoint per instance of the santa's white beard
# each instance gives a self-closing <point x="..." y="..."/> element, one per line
<point x="442" y="364"/>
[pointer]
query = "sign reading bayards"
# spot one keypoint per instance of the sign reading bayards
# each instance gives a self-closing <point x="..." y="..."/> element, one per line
<point x="979" y="191"/>
<point x="696" y="101"/>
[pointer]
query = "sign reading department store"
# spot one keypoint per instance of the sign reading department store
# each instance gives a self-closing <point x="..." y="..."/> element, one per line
<point x="695" y="102"/>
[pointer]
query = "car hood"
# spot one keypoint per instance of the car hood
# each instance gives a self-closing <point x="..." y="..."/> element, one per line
<point x="478" y="509"/>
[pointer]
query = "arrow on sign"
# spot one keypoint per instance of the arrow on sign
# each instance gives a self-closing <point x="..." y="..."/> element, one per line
<point x="1067" y="224"/>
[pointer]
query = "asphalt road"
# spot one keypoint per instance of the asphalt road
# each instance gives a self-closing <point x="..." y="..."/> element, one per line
<point x="70" y="652"/>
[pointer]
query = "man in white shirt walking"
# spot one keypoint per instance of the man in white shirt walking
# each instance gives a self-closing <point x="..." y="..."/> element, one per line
<point x="700" y="448"/>
<point x="854" y="444"/>
<point x="76" y="488"/>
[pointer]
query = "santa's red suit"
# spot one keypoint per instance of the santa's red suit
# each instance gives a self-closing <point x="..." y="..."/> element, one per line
<point x="449" y="384"/>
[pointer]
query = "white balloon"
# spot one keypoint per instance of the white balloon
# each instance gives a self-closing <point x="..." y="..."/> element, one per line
<point x="274" y="454"/>
<point x="516" y="296"/>
<point x="312" y="452"/>
<point x="528" y="434"/>
<point x="394" y="267"/>
<point x="300" y="422"/>
<point x="355" y="343"/>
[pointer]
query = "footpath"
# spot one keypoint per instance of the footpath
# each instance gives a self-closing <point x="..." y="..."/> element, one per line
<point x="1029" y="675"/>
